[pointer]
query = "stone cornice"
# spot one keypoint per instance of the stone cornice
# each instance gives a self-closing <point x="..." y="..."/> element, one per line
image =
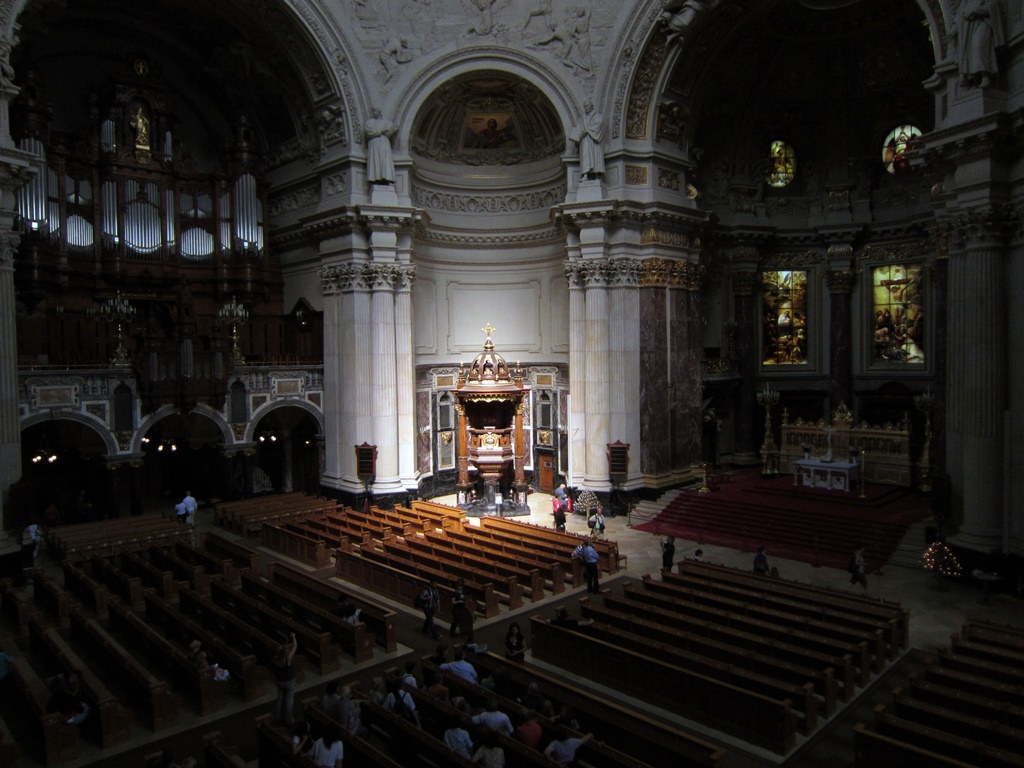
<point x="366" y="276"/>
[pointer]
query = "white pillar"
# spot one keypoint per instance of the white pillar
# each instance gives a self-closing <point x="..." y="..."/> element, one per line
<point x="383" y="406"/>
<point x="597" y="385"/>
<point x="405" y="380"/>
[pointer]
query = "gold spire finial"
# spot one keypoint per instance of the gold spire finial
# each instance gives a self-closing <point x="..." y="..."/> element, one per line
<point x="488" y="329"/>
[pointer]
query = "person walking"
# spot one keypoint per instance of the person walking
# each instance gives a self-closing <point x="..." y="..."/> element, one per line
<point x="761" y="562"/>
<point x="668" y="552"/>
<point x="430" y="602"/>
<point x="586" y="553"/>
<point x="284" y="674"/>
<point x="856" y="568"/>
<point x="462" y="612"/>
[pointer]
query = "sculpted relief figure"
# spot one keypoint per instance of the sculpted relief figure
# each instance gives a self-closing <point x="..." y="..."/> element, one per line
<point x="380" y="166"/>
<point x="589" y="135"/>
<point x="678" y="15"/>
<point x="981" y="32"/>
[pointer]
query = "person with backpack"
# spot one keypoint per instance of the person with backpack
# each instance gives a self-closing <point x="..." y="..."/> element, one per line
<point x="558" y="513"/>
<point x="596" y="523"/>
<point x="400" y="702"/>
<point x="428" y="601"/>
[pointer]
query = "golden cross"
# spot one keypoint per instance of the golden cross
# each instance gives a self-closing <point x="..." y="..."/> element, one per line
<point x="488" y="329"/>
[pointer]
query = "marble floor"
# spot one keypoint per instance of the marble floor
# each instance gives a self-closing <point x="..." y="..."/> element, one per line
<point x="937" y="609"/>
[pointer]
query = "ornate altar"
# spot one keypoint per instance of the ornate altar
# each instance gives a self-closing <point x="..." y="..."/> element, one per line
<point x="490" y="400"/>
<point x="882" y="451"/>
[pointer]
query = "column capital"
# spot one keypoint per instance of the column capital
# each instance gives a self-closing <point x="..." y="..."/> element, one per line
<point x="598" y="273"/>
<point x="686" y="276"/>
<point x="981" y="227"/>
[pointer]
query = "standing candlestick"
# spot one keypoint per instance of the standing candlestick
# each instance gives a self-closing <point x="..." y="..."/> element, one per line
<point x="767" y="398"/>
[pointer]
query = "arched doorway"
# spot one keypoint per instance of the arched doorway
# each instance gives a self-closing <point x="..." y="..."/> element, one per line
<point x="182" y="453"/>
<point x="287" y="457"/>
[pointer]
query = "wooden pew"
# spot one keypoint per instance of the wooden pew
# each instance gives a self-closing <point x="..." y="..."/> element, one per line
<point x="222" y="547"/>
<point x="755" y="665"/>
<point x="608" y="558"/>
<point x="305" y="549"/>
<point x="217" y="754"/>
<point x="378" y="618"/>
<point x="108" y="723"/>
<point x="986" y="705"/>
<point x="885" y="612"/>
<point x="332" y="530"/>
<point x="987" y="652"/>
<point x="211" y="563"/>
<point x="274" y="747"/>
<point x="377" y="528"/>
<point x="9" y="749"/>
<point x="106" y="538"/>
<point x="318" y="646"/>
<point x="992" y="688"/>
<point x="552" y="572"/>
<point x="713" y="636"/>
<point x="963" y="724"/>
<point x="159" y="707"/>
<point x="352" y="637"/>
<point x="1001" y="635"/>
<point x="128" y="588"/>
<point x="732" y="614"/>
<point x="483" y="591"/>
<point x="245" y="672"/>
<point x="209" y="695"/>
<point x="950" y="744"/>
<point x="359" y="753"/>
<point x="547" y="552"/>
<point x="872" y="749"/>
<point x="56" y="740"/>
<point x="982" y="667"/>
<point x="224" y="512"/>
<point x="238" y="632"/>
<point x="85" y="588"/>
<point x="17" y="605"/>
<point x="136" y="565"/>
<point x="762" y="720"/>
<point x="621" y="726"/>
<point x="193" y="574"/>
<point x="52" y="598"/>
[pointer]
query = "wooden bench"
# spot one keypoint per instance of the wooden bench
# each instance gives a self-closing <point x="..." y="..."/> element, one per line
<point x="227" y="513"/>
<point x="108" y="723"/>
<point x="965" y="724"/>
<point x="9" y="749"/>
<point x="1001" y="635"/>
<point x="987" y="705"/>
<point x="993" y="688"/>
<point x="620" y="725"/>
<point x="358" y="751"/>
<point x="235" y="631"/>
<point x="85" y="588"/>
<point x="56" y="741"/>
<point x="353" y="638"/>
<point x="159" y="708"/>
<point x="106" y="538"/>
<point x="209" y="695"/>
<point x="608" y="558"/>
<point x="237" y="552"/>
<point x="245" y="672"/>
<point x="305" y="549"/>
<point x="138" y="566"/>
<point x="552" y="570"/>
<point x="317" y="646"/>
<point x="836" y="671"/>
<point x="128" y="588"/>
<point x="872" y="749"/>
<point x="274" y="747"/>
<point x="332" y="530"/>
<point x="885" y="613"/>
<point x="213" y="564"/>
<point x="379" y="619"/>
<point x="762" y="720"/>
<point x="18" y="605"/>
<point x="217" y="754"/>
<point x="52" y="598"/>
<point x="377" y="528"/>
<point x="791" y="675"/>
<point x="185" y="571"/>
<point x="1008" y="673"/>
<point x="734" y="613"/>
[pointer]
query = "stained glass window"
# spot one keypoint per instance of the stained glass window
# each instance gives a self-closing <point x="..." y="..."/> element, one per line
<point x="784" y="303"/>
<point x="781" y="164"/>
<point x="898" y="318"/>
<point x="897" y="144"/>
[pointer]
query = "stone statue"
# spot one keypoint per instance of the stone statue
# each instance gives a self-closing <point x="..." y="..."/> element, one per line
<point x="981" y="32"/>
<point x="589" y="135"/>
<point x="679" y="14"/>
<point x="380" y="167"/>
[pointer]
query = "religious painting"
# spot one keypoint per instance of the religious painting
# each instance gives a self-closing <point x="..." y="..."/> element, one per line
<point x="898" y="313"/>
<point x="490" y="130"/>
<point x="784" y="317"/>
<point x="781" y="165"/>
<point x="897" y="144"/>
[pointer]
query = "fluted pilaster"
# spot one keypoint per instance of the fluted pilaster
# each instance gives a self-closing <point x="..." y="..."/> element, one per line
<point x="745" y="293"/>
<point x="577" y="372"/>
<point x="405" y="378"/>
<point x="383" y="377"/>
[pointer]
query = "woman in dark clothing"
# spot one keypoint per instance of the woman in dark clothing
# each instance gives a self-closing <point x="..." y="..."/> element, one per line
<point x="284" y="674"/>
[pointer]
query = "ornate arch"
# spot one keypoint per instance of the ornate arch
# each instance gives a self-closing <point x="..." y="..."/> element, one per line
<point x="263" y="411"/>
<point x="84" y="419"/>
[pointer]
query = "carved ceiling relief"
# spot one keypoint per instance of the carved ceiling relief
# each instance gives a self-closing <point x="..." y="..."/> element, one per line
<point x="397" y="32"/>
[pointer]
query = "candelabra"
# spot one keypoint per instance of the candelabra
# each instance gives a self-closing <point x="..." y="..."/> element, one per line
<point x="118" y="311"/>
<point x="767" y="398"/>
<point x="237" y="315"/>
<point x="924" y="403"/>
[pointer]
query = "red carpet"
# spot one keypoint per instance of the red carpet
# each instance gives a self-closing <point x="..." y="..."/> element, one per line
<point x="807" y="524"/>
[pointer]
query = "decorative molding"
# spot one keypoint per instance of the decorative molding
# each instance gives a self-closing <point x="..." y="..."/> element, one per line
<point x="840" y="281"/>
<point x="477" y="239"/>
<point x="668" y="179"/>
<point x="685" y="275"/>
<point x="636" y="175"/>
<point x="651" y="63"/>
<point x="489" y="204"/>
<point x="603" y="273"/>
<point x="294" y="200"/>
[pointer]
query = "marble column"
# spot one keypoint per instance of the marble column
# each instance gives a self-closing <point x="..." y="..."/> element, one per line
<point x="383" y="406"/>
<point x="624" y="360"/>
<point x="840" y="285"/>
<point x="746" y="314"/>
<point x="576" y="422"/>
<point x="686" y="354"/>
<point x="1014" y="526"/>
<point x="656" y="446"/>
<point x="976" y="390"/>
<point x="405" y="378"/>
<point x="596" y="476"/>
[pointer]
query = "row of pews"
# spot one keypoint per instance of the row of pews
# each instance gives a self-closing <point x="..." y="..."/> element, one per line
<point x="758" y="659"/>
<point x="125" y="620"/>
<point x="966" y="708"/>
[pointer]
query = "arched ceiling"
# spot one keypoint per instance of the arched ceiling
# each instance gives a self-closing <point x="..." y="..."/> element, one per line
<point x="218" y="60"/>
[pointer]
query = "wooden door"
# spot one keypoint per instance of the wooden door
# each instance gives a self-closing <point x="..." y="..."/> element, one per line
<point x="546" y="477"/>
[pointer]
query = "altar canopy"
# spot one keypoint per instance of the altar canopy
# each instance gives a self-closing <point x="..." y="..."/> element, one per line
<point x="490" y="400"/>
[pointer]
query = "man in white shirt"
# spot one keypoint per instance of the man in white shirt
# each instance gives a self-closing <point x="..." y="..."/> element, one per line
<point x="461" y="668"/>
<point x="493" y="719"/>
